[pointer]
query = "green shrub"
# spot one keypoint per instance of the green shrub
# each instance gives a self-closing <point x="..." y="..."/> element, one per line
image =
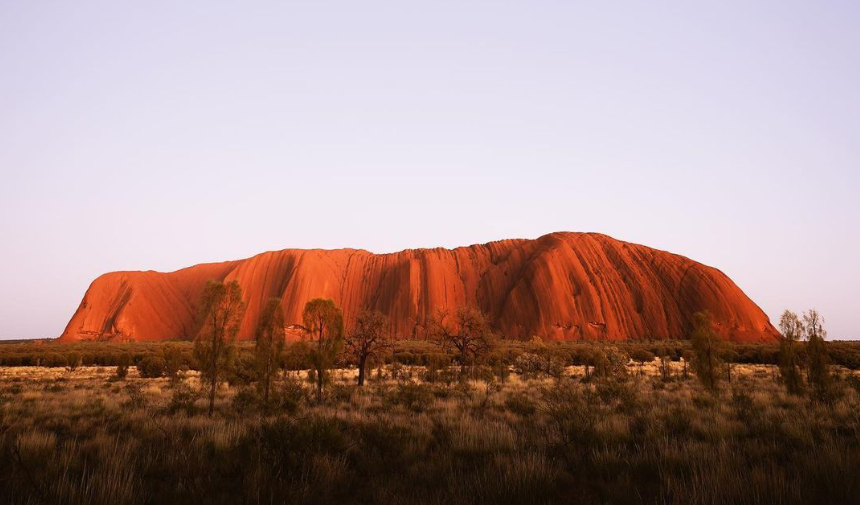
<point x="123" y="362"/>
<point x="678" y="421"/>
<point x="292" y="395"/>
<point x="242" y="372"/>
<point x="174" y="361"/>
<point x="54" y="359"/>
<point x="609" y="361"/>
<point x="136" y="398"/>
<point x="744" y="405"/>
<point x="341" y="393"/>
<point x="528" y="365"/>
<point x="246" y="399"/>
<point x="415" y="397"/>
<point x="184" y="399"/>
<point x="73" y="360"/>
<point x="572" y="416"/>
<point x="151" y="367"/>
<point x="520" y="404"/>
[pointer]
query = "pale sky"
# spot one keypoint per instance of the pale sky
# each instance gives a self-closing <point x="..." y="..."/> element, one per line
<point x="160" y="134"/>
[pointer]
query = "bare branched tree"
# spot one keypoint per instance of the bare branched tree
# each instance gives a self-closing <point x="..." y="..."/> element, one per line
<point x="368" y="339"/>
<point x="468" y="333"/>
<point x="818" y="359"/>
<point x="792" y="330"/>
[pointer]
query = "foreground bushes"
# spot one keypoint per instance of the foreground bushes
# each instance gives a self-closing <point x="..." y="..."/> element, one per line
<point x="84" y="437"/>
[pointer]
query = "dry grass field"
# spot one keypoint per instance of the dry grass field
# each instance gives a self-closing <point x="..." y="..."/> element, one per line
<point x="84" y="436"/>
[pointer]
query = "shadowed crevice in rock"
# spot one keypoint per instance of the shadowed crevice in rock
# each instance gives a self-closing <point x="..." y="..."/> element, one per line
<point x="559" y="286"/>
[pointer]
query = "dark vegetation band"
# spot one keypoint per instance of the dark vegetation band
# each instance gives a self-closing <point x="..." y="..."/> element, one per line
<point x="405" y="352"/>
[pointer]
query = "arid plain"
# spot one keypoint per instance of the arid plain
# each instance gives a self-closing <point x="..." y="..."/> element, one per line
<point x="527" y="427"/>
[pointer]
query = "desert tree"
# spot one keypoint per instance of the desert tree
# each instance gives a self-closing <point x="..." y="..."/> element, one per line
<point x="816" y="351"/>
<point x="173" y="362"/>
<point x="74" y="360"/>
<point x="269" y="346"/>
<point x="729" y="357"/>
<point x="583" y="357"/>
<point x="369" y="338"/>
<point x="550" y="359"/>
<point x="686" y="358"/>
<point x="323" y="323"/>
<point x="122" y="364"/>
<point x="221" y="311"/>
<point x="608" y="362"/>
<point x="151" y="366"/>
<point x="706" y="351"/>
<point x="663" y="354"/>
<point x="792" y="330"/>
<point x="296" y="356"/>
<point x="467" y="333"/>
<point x="641" y="356"/>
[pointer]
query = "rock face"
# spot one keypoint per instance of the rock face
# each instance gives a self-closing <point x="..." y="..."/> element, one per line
<point x="560" y="286"/>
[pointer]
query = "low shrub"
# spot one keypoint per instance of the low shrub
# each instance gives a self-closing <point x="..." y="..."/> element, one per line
<point x="291" y="395"/>
<point x="413" y="396"/>
<point x="136" y="397"/>
<point x="184" y="399"/>
<point x="151" y="367"/>
<point x="245" y="400"/>
<point x="520" y="404"/>
<point x="123" y="363"/>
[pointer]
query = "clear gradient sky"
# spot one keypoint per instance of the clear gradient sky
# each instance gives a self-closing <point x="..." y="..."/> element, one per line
<point x="159" y="134"/>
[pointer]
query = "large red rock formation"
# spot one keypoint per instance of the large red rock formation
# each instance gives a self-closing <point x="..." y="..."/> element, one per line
<point x="559" y="286"/>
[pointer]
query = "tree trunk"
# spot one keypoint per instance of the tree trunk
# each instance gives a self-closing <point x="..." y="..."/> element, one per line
<point x="212" y="396"/>
<point x="361" y="364"/>
<point x="321" y="331"/>
<point x="214" y="369"/>
<point x="267" y="385"/>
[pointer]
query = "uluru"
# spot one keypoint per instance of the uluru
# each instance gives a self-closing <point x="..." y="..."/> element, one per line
<point x="566" y="286"/>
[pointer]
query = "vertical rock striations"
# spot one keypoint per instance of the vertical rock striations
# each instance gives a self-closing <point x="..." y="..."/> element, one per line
<point x="559" y="286"/>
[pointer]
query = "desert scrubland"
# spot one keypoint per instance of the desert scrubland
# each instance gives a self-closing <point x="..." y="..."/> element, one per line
<point x="519" y="432"/>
